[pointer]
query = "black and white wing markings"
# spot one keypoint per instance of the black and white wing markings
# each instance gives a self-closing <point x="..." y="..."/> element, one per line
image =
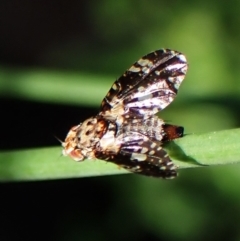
<point x="147" y="87"/>
<point x="141" y="155"/>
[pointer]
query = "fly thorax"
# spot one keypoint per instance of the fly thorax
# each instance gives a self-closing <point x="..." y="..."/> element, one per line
<point x="81" y="140"/>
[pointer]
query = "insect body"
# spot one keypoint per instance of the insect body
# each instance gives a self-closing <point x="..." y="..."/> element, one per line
<point x="126" y="131"/>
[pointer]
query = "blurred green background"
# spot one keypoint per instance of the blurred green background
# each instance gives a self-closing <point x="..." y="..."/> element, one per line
<point x="57" y="61"/>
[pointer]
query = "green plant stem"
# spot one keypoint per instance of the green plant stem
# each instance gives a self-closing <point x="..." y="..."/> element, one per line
<point x="195" y="150"/>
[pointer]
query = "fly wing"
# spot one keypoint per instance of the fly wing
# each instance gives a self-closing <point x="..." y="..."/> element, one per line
<point x="142" y="155"/>
<point x="147" y="87"/>
<point x="156" y="165"/>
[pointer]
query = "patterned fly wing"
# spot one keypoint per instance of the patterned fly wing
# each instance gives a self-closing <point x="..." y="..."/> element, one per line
<point x="147" y="87"/>
<point x="141" y="155"/>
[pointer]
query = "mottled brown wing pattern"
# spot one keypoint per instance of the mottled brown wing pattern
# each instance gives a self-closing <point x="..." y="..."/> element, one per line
<point x="147" y="87"/>
<point x="141" y="155"/>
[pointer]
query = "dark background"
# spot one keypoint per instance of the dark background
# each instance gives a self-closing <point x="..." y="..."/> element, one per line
<point x="100" y="39"/>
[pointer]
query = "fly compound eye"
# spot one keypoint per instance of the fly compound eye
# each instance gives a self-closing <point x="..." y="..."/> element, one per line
<point x="76" y="155"/>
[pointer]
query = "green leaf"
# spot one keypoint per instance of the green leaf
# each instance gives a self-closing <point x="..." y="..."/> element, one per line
<point x="195" y="150"/>
<point x="40" y="85"/>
